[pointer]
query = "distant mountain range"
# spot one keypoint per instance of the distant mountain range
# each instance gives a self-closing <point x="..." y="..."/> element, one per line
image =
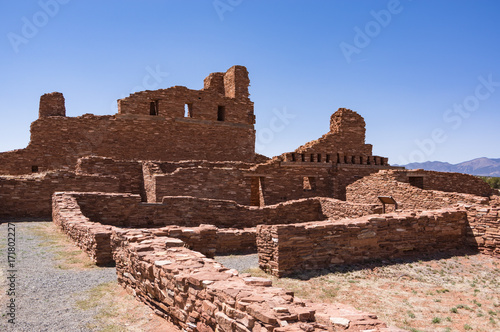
<point x="479" y="166"/>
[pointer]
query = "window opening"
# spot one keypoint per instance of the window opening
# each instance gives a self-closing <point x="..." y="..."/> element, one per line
<point x="188" y="110"/>
<point x="309" y="183"/>
<point x="221" y="113"/>
<point x="153" y="108"/>
<point x="417" y="181"/>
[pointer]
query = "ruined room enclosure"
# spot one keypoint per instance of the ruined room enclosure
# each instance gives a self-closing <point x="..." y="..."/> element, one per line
<point x="163" y="251"/>
<point x="161" y="212"/>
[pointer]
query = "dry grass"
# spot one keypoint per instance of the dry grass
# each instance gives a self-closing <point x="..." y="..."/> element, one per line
<point x="461" y="293"/>
<point x="119" y="311"/>
<point x="67" y="254"/>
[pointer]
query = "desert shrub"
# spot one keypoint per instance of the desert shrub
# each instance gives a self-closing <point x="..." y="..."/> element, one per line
<point x="494" y="182"/>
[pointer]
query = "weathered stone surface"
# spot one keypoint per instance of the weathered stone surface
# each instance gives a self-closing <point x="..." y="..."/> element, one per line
<point x="284" y="249"/>
<point x="229" y="303"/>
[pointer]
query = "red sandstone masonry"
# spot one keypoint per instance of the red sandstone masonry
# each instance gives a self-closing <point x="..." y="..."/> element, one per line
<point x="91" y="237"/>
<point x="150" y="125"/>
<point x="127" y="210"/>
<point x="392" y="183"/>
<point x="94" y="238"/>
<point x="78" y="214"/>
<point x="484" y="227"/>
<point x="199" y="294"/>
<point x="346" y="136"/>
<point x="30" y="195"/>
<point x="285" y="249"/>
<point x="128" y="172"/>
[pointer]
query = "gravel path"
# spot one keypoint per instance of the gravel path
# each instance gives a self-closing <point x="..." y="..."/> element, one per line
<point x="45" y="295"/>
<point x="240" y="263"/>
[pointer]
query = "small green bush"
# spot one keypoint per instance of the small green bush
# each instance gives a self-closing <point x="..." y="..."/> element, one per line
<point x="494" y="182"/>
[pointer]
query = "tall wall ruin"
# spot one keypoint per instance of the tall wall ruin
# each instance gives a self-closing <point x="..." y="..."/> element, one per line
<point x="173" y="178"/>
<point x="169" y="124"/>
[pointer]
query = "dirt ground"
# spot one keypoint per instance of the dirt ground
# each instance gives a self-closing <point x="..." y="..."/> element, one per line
<point x="459" y="292"/>
<point x="447" y="293"/>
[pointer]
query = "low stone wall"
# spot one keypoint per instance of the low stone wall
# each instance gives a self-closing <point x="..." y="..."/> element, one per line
<point x="31" y="195"/>
<point x="285" y="249"/>
<point x="484" y="227"/>
<point x="128" y="172"/>
<point x="408" y="197"/>
<point x="91" y="237"/>
<point x="233" y="240"/>
<point x="448" y="182"/>
<point x="126" y="210"/>
<point x="94" y="237"/>
<point x="334" y="209"/>
<point x="199" y="294"/>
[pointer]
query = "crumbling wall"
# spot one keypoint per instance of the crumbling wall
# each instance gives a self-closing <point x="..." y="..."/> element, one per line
<point x="225" y="99"/>
<point x="93" y="238"/>
<point x="30" y="195"/>
<point x="235" y="240"/>
<point x="52" y="104"/>
<point x="408" y="197"/>
<point x="448" y="182"/>
<point x="226" y="183"/>
<point x="334" y="209"/>
<point x="484" y="227"/>
<point x="126" y="210"/>
<point x="285" y="249"/>
<point x="170" y="124"/>
<point x="129" y="173"/>
<point x="58" y="142"/>
<point x="280" y="183"/>
<point x="199" y="294"/>
<point x="346" y="137"/>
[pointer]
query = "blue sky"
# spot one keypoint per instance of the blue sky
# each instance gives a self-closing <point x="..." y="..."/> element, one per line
<point x="425" y="75"/>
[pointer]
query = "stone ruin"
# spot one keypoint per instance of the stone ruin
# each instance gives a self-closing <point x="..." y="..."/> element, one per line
<point x="172" y="179"/>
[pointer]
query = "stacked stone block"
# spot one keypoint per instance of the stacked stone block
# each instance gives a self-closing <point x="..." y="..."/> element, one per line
<point x="288" y="249"/>
<point x="199" y="294"/>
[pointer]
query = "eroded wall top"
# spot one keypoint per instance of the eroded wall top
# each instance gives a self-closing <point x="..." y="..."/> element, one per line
<point x="224" y="98"/>
<point x="346" y="135"/>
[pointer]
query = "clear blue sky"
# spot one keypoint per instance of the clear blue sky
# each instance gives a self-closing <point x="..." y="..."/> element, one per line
<point x="425" y="75"/>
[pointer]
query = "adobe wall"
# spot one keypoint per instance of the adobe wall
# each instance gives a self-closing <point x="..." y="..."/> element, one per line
<point x="30" y="195"/>
<point x="395" y="183"/>
<point x="235" y="240"/>
<point x="282" y="180"/>
<point x="202" y="105"/>
<point x="285" y="249"/>
<point x="199" y="294"/>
